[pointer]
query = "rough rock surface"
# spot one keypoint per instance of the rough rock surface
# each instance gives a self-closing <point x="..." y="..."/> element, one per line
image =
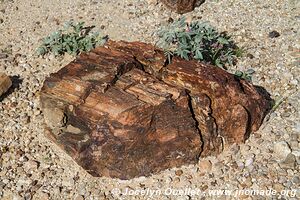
<point x="182" y="6"/>
<point x="123" y="111"/>
<point x="5" y="83"/>
<point x="226" y="108"/>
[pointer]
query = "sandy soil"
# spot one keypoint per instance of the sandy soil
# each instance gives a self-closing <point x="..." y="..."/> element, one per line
<point x="31" y="167"/>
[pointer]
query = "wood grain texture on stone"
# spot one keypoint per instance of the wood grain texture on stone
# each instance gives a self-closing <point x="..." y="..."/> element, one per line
<point x="227" y="108"/>
<point x="115" y="120"/>
<point x="182" y="6"/>
<point x="122" y="111"/>
<point x="5" y="83"/>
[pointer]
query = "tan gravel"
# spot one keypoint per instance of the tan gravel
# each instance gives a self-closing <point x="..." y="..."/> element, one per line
<point x="31" y="167"/>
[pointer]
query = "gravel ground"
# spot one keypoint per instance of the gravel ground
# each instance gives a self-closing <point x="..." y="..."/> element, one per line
<point x="31" y="167"/>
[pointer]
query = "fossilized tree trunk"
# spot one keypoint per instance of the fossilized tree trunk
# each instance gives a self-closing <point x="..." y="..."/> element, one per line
<point x="123" y="111"/>
<point x="182" y="6"/>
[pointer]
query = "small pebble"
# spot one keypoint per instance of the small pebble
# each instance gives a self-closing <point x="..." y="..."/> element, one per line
<point x="178" y="172"/>
<point x="205" y="166"/>
<point x="282" y="149"/>
<point x="274" y="34"/>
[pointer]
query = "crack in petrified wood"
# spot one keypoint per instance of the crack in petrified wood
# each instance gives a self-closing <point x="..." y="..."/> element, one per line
<point x="126" y="115"/>
<point x="122" y="111"/>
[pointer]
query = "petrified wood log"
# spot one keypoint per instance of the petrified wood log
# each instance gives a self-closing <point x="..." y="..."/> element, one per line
<point x="182" y="6"/>
<point x="123" y="111"/>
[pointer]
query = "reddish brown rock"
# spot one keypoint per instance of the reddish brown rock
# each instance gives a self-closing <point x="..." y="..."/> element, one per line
<point x="5" y="83"/>
<point x="226" y="108"/>
<point x="123" y="111"/>
<point x="115" y="120"/>
<point x="182" y="6"/>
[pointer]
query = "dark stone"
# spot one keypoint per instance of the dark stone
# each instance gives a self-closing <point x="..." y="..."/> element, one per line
<point x="249" y="55"/>
<point x="274" y="34"/>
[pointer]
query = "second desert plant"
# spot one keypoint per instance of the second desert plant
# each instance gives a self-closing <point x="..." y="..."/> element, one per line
<point x="72" y="39"/>
<point x="198" y="40"/>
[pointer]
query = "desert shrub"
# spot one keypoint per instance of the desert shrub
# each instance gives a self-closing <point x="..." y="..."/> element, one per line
<point x="72" y="39"/>
<point x="198" y="40"/>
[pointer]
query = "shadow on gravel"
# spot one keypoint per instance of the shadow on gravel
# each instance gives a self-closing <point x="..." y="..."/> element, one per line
<point x="199" y="3"/>
<point x="16" y="82"/>
<point x="262" y="91"/>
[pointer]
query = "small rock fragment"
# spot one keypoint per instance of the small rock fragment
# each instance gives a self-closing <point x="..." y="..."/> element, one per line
<point x="278" y="187"/>
<point x="30" y="166"/>
<point x="3" y="55"/>
<point x="240" y="164"/>
<point x="296" y="180"/>
<point x="5" y="83"/>
<point x="176" y="180"/>
<point x="249" y="162"/>
<point x="79" y="197"/>
<point x="205" y="166"/>
<point x="249" y="55"/>
<point x="40" y="195"/>
<point x="274" y="34"/>
<point x="282" y="149"/>
<point x="153" y="2"/>
<point x="248" y="182"/>
<point x="289" y="162"/>
<point x="179" y="172"/>
<point x="296" y="153"/>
